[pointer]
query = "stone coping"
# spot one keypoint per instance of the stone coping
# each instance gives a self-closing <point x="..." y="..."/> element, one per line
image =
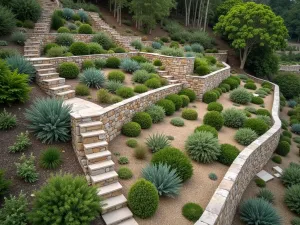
<point x="167" y="56"/>
<point x="211" y="74"/>
<point x="119" y="104"/>
<point x="290" y="68"/>
<point x="222" y="207"/>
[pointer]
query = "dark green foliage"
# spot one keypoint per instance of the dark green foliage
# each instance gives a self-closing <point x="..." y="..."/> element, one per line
<point x="296" y="139"/>
<point x="7" y="20"/>
<point x="132" y="143"/>
<point x="226" y="86"/>
<point x="258" y="211"/>
<point x="49" y="46"/>
<point x="95" y="48"/>
<point x="192" y="211"/>
<point x="215" y="106"/>
<point x="228" y="154"/>
<point x="277" y="159"/>
<point x="131" y="129"/>
<point x="263" y="112"/>
<point x="14" y="211"/>
<point x="157" y="142"/>
<point x="188" y="92"/>
<point x="185" y="100"/>
<point x="283" y="148"/>
<point x="26" y="169"/>
<point x="85" y="29"/>
<point x="168" y="106"/>
<point x="4" y="185"/>
<point x="209" y="97"/>
<point x="234" y="117"/>
<point x="143" y="199"/>
<point x="295" y="221"/>
<point x="189" y="114"/>
<point x="79" y="203"/>
<point x="233" y="83"/>
<point x="258" y="125"/>
<point x="123" y="160"/>
<point x="22" y="143"/>
<point x="79" y="48"/>
<point x="291" y="176"/>
<point x="164" y="178"/>
<point x="140" y="76"/>
<point x="177" y="122"/>
<point x="8" y="52"/>
<point x="202" y="70"/>
<point x="93" y="78"/>
<point x="26" y="10"/>
<point x="82" y="90"/>
<point x="49" y="120"/>
<point x="213" y="176"/>
<point x="125" y="173"/>
<point x="57" y="51"/>
<point x="87" y="64"/>
<point x="266" y="195"/>
<point x="203" y="147"/>
<point x="176" y="159"/>
<point x="260" y="182"/>
<point x="289" y="84"/>
<point x="287" y="139"/>
<point x="64" y="39"/>
<point x="100" y="63"/>
<point x="257" y="100"/>
<point x="153" y="83"/>
<point x="141" y="88"/>
<point x="157" y="62"/>
<point x="116" y="75"/>
<point x="240" y="96"/>
<point x="143" y="119"/>
<point x="113" y="62"/>
<point x="139" y="59"/>
<point x="214" y="119"/>
<point x="7" y="120"/>
<point x="125" y="92"/>
<point x="63" y="30"/>
<point x="103" y="96"/>
<point x="50" y="158"/>
<point x="176" y="99"/>
<point x="68" y="70"/>
<point x="56" y="21"/>
<point x="245" y="136"/>
<point x="22" y="65"/>
<point x="207" y="128"/>
<point x="292" y="198"/>
<point x="103" y="40"/>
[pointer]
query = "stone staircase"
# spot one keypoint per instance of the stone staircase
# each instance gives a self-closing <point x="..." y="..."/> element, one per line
<point x="118" y="38"/>
<point x="50" y="82"/>
<point x="99" y="167"/>
<point x="165" y="74"/>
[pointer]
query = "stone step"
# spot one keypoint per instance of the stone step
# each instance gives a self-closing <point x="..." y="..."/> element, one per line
<point x="173" y="81"/>
<point x="47" y="76"/>
<point x="95" y="147"/>
<point x="59" y="89"/>
<point x="54" y="82"/>
<point x="110" y="190"/>
<point x="104" y="179"/>
<point x="168" y="77"/>
<point x="43" y="66"/>
<point x="32" y="47"/>
<point x="31" y="55"/>
<point x="162" y="72"/>
<point x="100" y="168"/>
<point x="29" y="42"/>
<point x="47" y="70"/>
<point x="90" y="126"/>
<point x="93" y="136"/>
<point x="31" y="51"/>
<point x="117" y="216"/>
<point x="113" y="203"/>
<point x="66" y="95"/>
<point x="130" y="221"/>
<point x="98" y="157"/>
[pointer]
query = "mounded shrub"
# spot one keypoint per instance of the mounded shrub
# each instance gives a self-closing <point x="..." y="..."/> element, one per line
<point x="63" y="30"/>
<point x="95" y="48"/>
<point x="56" y="20"/>
<point x="116" y="75"/>
<point x="149" y="67"/>
<point x="295" y="128"/>
<point x="19" y="38"/>
<point x="185" y="100"/>
<point x="64" y="39"/>
<point x="295" y="221"/>
<point x="291" y="176"/>
<point x="26" y="10"/>
<point x="250" y="85"/>
<point x="292" y="198"/>
<point x="140" y="76"/>
<point x="245" y="136"/>
<point x="266" y="195"/>
<point x="188" y="92"/>
<point x="68" y="70"/>
<point x="287" y="133"/>
<point x="7" y="20"/>
<point x="289" y="84"/>
<point x="103" y="96"/>
<point x="214" y="119"/>
<point x="93" y="78"/>
<point x="240" y="96"/>
<point x="137" y="44"/>
<point x="100" y="63"/>
<point x="113" y="62"/>
<point x="104" y="40"/>
<point x="82" y="90"/>
<point x="258" y="125"/>
<point x="234" y="118"/>
<point x="125" y="173"/>
<point x="87" y="64"/>
<point x="233" y="83"/>
<point x="210" y="96"/>
<point x="143" y="119"/>
<point x="228" y="154"/>
<point x="79" y="48"/>
<point x="68" y="13"/>
<point x="283" y="148"/>
<point x="49" y="46"/>
<point x="129" y="65"/>
<point x="85" y="29"/>
<point x="257" y="100"/>
<point x="131" y="129"/>
<point x="51" y="158"/>
<point x="189" y="114"/>
<point x="141" y="88"/>
<point x="125" y="92"/>
<point x="263" y="112"/>
<point x="167" y="105"/>
<point x="207" y="128"/>
<point x="56" y="51"/>
<point x="153" y="83"/>
<point x="176" y="99"/>
<point x="157" y="113"/>
<point x="215" y="106"/>
<point x="192" y="211"/>
<point x="259" y="211"/>
<point x="202" y="70"/>
<point x="277" y="159"/>
<point x="157" y="62"/>
<point x="176" y="159"/>
<point x="132" y="143"/>
<point x="4" y="185"/>
<point x="143" y="199"/>
<point x="7" y="120"/>
<point x="177" y="122"/>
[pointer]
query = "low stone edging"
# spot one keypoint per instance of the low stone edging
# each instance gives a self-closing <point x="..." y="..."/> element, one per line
<point x="223" y="204"/>
<point x="220" y="56"/>
<point x="290" y="68"/>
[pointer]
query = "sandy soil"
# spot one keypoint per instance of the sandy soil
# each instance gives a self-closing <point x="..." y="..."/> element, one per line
<point x="275" y="185"/>
<point x="199" y="188"/>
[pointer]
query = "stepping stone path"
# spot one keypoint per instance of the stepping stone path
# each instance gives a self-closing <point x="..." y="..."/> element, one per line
<point x="278" y="169"/>
<point x="264" y="175"/>
<point x="277" y="175"/>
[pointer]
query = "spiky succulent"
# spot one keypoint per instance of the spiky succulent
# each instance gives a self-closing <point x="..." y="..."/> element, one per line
<point x="93" y="78"/>
<point x="165" y="179"/>
<point x="49" y="120"/>
<point x="129" y="65"/>
<point x="157" y="142"/>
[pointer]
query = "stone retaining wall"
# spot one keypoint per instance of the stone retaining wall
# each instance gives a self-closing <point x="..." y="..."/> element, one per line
<point x="220" y="56"/>
<point x="223" y="204"/>
<point x="114" y="116"/>
<point x="202" y="84"/>
<point x="290" y="68"/>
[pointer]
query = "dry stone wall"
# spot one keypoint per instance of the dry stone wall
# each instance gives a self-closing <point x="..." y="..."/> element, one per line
<point x="222" y="206"/>
<point x="290" y="68"/>
<point x="202" y="84"/>
<point x="220" y="56"/>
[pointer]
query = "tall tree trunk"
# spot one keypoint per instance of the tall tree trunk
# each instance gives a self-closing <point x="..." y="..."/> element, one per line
<point x="186" y="13"/>
<point x="120" y="19"/>
<point x="199" y="14"/>
<point x="115" y="9"/>
<point x="189" y="12"/>
<point x="206" y="13"/>
<point x="195" y="13"/>
<point x="243" y="56"/>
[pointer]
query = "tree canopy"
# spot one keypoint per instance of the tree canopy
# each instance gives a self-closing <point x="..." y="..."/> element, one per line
<point x="248" y="25"/>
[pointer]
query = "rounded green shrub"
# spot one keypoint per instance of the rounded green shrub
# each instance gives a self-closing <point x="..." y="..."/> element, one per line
<point x="277" y="159"/>
<point x="79" y="48"/>
<point x="257" y="100"/>
<point x="176" y="159"/>
<point x="131" y="129"/>
<point x="189" y="114"/>
<point x="240" y="96"/>
<point x="125" y="92"/>
<point x="87" y="64"/>
<point x="214" y="119"/>
<point x="228" y="154"/>
<point x="140" y="76"/>
<point x="85" y="29"/>
<point x="143" y="119"/>
<point x="192" y="211"/>
<point x="116" y="75"/>
<point x="103" y="40"/>
<point x="245" y="136"/>
<point x="207" y="128"/>
<point x="153" y="83"/>
<point x="188" y="92"/>
<point x="209" y="96"/>
<point x="26" y="10"/>
<point x="258" y="211"/>
<point x="295" y="221"/>
<point x="103" y="96"/>
<point x="7" y="20"/>
<point x="176" y="99"/>
<point x="141" y="88"/>
<point x="234" y="118"/>
<point x="283" y="148"/>
<point x="50" y="158"/>
<point x="125" y="173"/>
<point x="233" y="83"/>
<point x="64" y="39"/>
<point x="113" y="85"/>
<point x="292" y="198"/>
<point x="215" y="106"/>
<point x="132" y="143"/>
<point x="203" y="147"/>
<point x="260" y="182"/>
<point x="113" y="62"/>
<point x="143" y="199"/>
<point x="7" y="120"/>
<point x="185" y="100"/>
<point x="258" y="125"/>
<point x="263" y="112"/>
<point x="291" y="176"/>
<point x="157" y="62"/>
<point x="226" y="86"/>
<point x="95" y="48"/>
<point x="168" y="106"/>
<point x="63" y="30"/>
<point x="287" y="139"/>
<point x="156" y="112"/>
<point x="177" y="122"/>
<point x="202" y="70"/>
<point x="289" y="84"/>
<point x="287" y="134"/>
<point x="82" y="90"/>
<point x="250" y="85"/>
<point x="100" y="63"/>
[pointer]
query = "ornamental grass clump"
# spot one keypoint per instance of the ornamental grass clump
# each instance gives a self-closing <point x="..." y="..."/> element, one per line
<point x="203" y="147"/>
<point x="93" y="78"/>
<point x="51" y="158"/>
<point x="164" y="178"/>
<point x="157" y="113"/>
<point x="49" y="120"/>
<point x="240" y="96"/>
<point x="234" y="117"/>
<point x="245" y="136"/>
<point x="292" y="198"/>
<point x="291" y="176"/>
<point x="266" y="195"/>
<point x="7" y="120"/>
<point x="129" y="65"/>
<point x="157" y="142"/>
<point x="22" y="65"/>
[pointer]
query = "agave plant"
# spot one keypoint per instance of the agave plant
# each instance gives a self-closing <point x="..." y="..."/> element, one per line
<point x="93" y="78"/>
<point x="49" y="120"/>
<point x="165" y="179"/>
<point x="157" y="142"/>
<point x="21" y="64"/>
<point x="113" y="85"/>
